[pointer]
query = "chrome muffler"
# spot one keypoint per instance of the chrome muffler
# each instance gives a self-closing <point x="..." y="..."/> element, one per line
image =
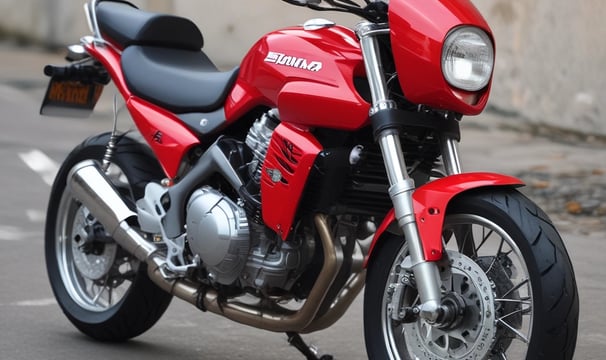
<point x="88" y="183"/>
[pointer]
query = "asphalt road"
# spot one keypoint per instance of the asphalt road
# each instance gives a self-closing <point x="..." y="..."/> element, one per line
<point x="33" y="327"/>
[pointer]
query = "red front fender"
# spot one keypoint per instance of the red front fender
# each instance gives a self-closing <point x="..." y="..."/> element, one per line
<point x="430" y="202"/>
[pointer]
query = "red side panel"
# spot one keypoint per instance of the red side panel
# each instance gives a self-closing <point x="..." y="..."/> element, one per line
<point x="417" y="40"/>
<point x="431" y="201"/>
<point x="165" y="133"/>
<point x="289" y="159"/>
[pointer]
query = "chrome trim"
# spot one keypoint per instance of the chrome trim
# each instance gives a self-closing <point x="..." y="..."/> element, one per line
<point x="367" y="33"/>
<point x="76" y="52"/>
<point x="88" y="15"/>
<point x="91" y="14"/>
<point x="364" y="29"/>
<point x="391" y="149"/>
<point x="318" y="24"/>
<point x="450" y="156"/>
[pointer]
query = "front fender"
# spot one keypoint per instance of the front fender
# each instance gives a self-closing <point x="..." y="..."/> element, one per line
<point x="430" y="203"/>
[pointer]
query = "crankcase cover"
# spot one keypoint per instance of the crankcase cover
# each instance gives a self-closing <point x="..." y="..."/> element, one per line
<point x="217" y="231"/>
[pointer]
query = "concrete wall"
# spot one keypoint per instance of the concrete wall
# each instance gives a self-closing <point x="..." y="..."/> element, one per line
<point x="550" y="53"/>
<point x="48" y="22"/>
<point x="230" y="28"/>
<point x="550" y="61"/>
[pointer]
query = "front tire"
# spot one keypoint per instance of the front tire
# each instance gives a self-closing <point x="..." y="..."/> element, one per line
<point x="104" y="291"/>
<point x="499" y="238"/>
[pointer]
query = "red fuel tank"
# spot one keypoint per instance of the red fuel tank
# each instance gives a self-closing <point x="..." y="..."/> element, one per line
<point x="307" y="74"/>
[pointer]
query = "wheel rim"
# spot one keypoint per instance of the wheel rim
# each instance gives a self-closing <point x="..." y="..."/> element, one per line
<point x="476" y="246"/>
<point x="95" y="271"/>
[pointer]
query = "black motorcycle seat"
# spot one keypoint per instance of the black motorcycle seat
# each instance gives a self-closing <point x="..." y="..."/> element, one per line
<point x="181" y="81"/>
<point x="126" y="25"/>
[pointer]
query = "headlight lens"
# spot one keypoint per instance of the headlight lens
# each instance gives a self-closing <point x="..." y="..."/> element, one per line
<point x="468" y="58"/>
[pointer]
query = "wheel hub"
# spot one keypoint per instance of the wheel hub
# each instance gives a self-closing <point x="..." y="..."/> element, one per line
<point x="453" y="307"/>
<point x="92" y="259"/>
<point x="467" y="327"/>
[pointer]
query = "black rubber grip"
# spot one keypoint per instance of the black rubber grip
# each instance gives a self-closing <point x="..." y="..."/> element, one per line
<point x="78" y="73"/>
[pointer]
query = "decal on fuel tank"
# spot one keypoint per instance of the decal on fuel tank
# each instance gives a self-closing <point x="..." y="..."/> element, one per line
<point x="293" y="61"/>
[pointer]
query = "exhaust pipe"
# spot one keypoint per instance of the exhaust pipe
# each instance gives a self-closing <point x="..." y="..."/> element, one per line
<point x="89" y="184"/>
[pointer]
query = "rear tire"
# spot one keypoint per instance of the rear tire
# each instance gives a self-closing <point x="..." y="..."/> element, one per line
<point x="102" y="290"/>
<point x="518" y="251"/>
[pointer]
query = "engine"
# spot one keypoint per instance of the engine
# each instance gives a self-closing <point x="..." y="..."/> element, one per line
<point x="217" y="231"/>
<point x="232" y="242"/>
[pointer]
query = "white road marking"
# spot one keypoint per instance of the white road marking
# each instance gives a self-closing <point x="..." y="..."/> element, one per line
<point x="35" y="215"/>
<point x="35" y="302"/>
<point x="10" y="233"/>
<point x="13" y="233"/>
<point x="41" y="164"/>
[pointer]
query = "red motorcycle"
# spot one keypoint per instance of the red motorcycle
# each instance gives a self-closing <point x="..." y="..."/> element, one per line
<point x="272" y="193"/>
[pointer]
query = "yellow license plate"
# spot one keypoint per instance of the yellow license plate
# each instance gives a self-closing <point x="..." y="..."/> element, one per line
<point x="70" y="98"/>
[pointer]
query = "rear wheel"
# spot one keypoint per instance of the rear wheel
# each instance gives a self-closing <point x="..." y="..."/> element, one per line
<point x="104" y="291"/>
<point x="506" y="275"/>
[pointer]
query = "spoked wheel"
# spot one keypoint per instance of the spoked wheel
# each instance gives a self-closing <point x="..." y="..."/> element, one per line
<point x="104" y="291"/>
<point x="507" y="283"/>
<point x="96" y="272"/>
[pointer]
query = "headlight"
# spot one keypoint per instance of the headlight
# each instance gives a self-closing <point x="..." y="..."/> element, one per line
<point x="468" y="58"/>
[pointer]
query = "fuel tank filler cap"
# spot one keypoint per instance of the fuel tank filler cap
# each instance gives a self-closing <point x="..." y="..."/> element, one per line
<point x="317" y="24"/>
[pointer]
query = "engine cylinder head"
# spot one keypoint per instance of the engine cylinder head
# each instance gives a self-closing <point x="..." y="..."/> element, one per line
<point x="258" y="139"/>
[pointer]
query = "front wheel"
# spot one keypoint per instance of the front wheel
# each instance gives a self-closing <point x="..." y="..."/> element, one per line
<point x="505" y="274"/>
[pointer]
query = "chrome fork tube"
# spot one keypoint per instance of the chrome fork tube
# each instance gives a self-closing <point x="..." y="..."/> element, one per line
<point x="401" y="185"/>
<point x="450" y="156"/>
<point x="367" y="33"/>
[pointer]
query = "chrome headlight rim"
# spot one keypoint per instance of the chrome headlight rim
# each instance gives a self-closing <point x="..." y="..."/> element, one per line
<point x="468" y="58"/>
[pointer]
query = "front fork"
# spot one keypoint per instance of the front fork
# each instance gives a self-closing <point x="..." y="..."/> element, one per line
<point x="401" y="188"/>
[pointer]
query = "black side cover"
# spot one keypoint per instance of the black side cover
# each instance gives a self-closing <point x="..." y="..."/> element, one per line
<point x="126" y="25"/>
